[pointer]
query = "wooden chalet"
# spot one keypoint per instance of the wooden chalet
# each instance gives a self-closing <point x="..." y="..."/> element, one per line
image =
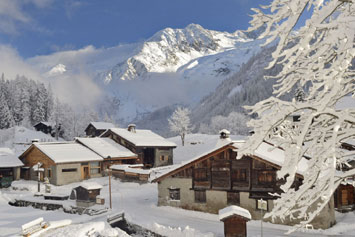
<point x="215" y="179"/>
<point x="152" y="149"/>
<point x="9" y="167"/>
<point x="62" y="163"/>
<point x="112" y="152"/>
<point x="95" y="129"/>
<point x="45" y="127"/>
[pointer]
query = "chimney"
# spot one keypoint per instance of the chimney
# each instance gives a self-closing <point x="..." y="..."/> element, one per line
<point x="224" y="134"/>
<point x="131" y="128"/>
<point x="223" y="138"/>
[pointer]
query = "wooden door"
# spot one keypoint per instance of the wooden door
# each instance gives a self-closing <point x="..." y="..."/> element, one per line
<point x="85" y="172"/>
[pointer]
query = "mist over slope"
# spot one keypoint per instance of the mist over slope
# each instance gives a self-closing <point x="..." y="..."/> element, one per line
<point x="223" y="108"/>
<point x="174" y="66"/>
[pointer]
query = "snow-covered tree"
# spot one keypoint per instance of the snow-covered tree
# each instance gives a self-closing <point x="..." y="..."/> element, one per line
<point x="319" y="56"/>
<point x="179" y="122"/>
<point x="6" y="119"/>
<point x="235" y="122"/>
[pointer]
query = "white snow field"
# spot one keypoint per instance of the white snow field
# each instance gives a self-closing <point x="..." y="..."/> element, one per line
<point x="139" y="202"/>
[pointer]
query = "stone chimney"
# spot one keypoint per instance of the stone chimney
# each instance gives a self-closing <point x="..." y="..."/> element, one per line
<point x="35" y="140"/>
<point x="224" y="138"/>
<point x="224" y="134"/>
<point x="131" y="128"/>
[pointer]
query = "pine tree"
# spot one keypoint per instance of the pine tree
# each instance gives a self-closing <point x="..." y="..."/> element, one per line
<point x="6" y="119"/>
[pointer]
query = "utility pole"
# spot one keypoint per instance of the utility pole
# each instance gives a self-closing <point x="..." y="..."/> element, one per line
<point x="262" y="205"/>
<point x="109" y="181"/>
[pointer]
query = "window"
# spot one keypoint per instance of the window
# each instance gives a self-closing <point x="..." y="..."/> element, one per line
<point x="265" y="177"/>
<point x="262" y="204"/>
<point x="69" y="170"/>
<point x="95" y="168"/>
<point x="233" y="198"/>
<point x="174" y="194"/>
<point x="200" y="174"/>
<point x="239" y="175"/>
<point x="49" y="173"/>
<point x="162" y="158"/>
<point x="200" y="196"/>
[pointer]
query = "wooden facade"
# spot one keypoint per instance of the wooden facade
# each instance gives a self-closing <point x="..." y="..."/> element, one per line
<point x="44" y="127"/>
<point x="83" y="194"/>
<point x="344" y="197"/>
<point x="91" y="131"/>
<point x="30" y="158"/>
<point x="235" y="226"/>
<point x="57" y="173"/>
<point x="223" y="172"/>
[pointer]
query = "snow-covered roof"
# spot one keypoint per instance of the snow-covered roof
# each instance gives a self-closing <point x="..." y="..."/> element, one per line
<point x="91" y="185"/>
<point x="49" y="124"/>
<point x="195" y="146"/>
<point x="142" y="137"/>
<point x="265" y="151"/>
<point x="217" y="145"/>
<point x="131" y="168"/>
<point x="8" y="158"/>
<point x="106" y="147"/>
<point x="233" y="210"/>
<point x="274" y="155"/>
<point x="67" y="152"/>
<point x="102" y="125"/>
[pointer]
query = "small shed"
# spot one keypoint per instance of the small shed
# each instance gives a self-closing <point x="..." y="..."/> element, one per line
<point x="87" y="193"/>
<point x="235" y="221"/>
<point x="9" y="167"/>
<point x="45" y="127"/>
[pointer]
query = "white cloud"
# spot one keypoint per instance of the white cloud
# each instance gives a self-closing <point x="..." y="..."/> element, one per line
<point x="13" y="15"/>
<point x="75" y="87"/>
<point x="12" y="64"/>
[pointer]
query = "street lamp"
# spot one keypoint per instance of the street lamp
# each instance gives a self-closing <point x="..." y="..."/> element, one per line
<point x="37" y="168"/>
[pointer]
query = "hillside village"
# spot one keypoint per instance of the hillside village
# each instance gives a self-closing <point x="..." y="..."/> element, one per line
<point x="177" y="118"/>
<point x="204" y="175"/>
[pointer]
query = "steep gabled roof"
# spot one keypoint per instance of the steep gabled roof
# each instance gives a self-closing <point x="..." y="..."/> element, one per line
<point x="8" y="158"/>
<point x="106" y="147"/>
<point x="143" y="138"/>
<point x="266" y="152"/>
<point x="48" y="124"/>
<point x="177" y="168"/>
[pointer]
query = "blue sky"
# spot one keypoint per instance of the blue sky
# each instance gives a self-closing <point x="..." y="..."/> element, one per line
<point x="38" y="27"/>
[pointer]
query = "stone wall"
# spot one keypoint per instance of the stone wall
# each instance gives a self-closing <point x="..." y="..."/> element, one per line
<point x="61" y="178"/>
<point x="168" y="157"/>
<point x="216" y="200"/>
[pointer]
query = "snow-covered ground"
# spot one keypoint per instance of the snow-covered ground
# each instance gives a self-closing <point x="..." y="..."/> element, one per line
<point x="20" y="138"/>
<point x="138" y="201"/>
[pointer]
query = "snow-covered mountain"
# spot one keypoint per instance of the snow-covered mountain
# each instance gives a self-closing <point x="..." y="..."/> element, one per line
<point x="172" y="50"/>
<point x="174" y="66"/>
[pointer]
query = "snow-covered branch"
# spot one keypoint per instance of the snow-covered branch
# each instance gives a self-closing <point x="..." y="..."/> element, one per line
<point x="319" y="58"/>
